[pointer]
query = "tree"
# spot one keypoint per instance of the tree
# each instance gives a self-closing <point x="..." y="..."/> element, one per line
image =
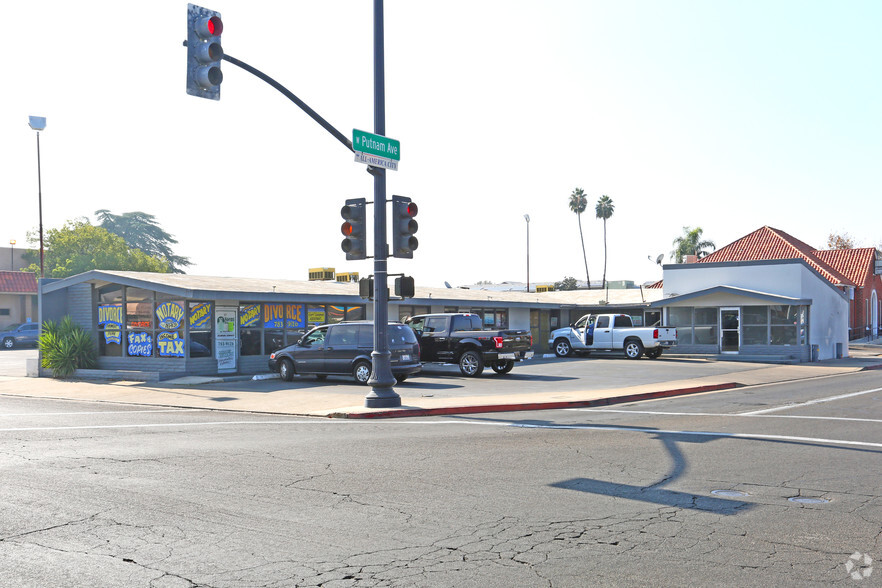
<point x="578" y="204"/>
<point x="568" y="283"/>
<point x="843" y="241"/>
<point x="79" y="247"/>
<point x="690" y="244"/>
<point x="141" y="231"/>
<point x="604" y="209"/>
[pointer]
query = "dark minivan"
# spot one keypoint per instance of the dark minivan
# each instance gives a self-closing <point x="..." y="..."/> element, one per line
<point x="345" y="348"/>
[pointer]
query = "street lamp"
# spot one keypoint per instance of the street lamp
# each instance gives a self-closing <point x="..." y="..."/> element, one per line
<point x="12" y="255"/>
<point x="527" y="218"/>
<point x="38" y="123"/>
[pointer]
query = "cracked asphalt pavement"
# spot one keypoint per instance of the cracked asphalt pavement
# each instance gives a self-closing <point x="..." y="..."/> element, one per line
<point x="700" y="490"/>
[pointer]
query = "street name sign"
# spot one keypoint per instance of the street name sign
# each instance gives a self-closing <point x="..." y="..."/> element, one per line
<point x="376" y="150"/>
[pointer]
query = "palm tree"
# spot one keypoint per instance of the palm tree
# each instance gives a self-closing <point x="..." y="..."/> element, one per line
<point x="604" y="210"/>
<point x="690" y="244"/>
<point x="578" y="204"/>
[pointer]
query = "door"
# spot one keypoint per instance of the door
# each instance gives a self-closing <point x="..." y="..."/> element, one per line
<point x="341" y="347"/>
<point x="603" y="337"/>
<point x="730" y="330"/>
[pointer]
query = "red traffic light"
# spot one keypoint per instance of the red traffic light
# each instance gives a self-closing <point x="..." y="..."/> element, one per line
<point x="411" y="209"/>
<point x="211" y="26"/>
<point x="347" y="229"/>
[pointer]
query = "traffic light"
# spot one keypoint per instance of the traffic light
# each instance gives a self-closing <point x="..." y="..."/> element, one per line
<point x="354" y="229"/>
<point x="366" y="288"/>
<point x="404" y="287"/>
<point x="403" y="227"/>
<point x="204" y="52"/>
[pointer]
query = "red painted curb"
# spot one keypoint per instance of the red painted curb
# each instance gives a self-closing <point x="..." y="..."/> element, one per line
<point x="448" y="410"/>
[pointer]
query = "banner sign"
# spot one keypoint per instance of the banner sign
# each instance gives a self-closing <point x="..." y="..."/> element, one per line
<point x="200" y="316"/>
<point x="140" y="344"/>
<point x="170" y="344"/>
<point x="111" y="317"/>
<point x="277" y="316"/>
<point x="250" y="315"/>
<point x="169" y="316"/>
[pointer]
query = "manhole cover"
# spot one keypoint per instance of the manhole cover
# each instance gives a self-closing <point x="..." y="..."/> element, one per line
<point x="729" y="493"/>
<point x="804" y="500"/>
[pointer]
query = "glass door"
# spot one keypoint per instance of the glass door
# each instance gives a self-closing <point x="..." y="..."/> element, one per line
<point x="730" y="330"/>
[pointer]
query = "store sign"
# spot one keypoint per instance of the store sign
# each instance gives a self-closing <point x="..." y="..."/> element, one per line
<point x="250" y="316"/>
<point x="170" y="344"/>
<point x="169" y="315"/>
<point x="111" y="318"/>
<point x="200" y="317"/>
<point x="140" y="344"/>
<point x="277" y="316"/>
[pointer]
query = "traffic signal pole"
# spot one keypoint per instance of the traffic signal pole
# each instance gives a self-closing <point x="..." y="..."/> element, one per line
<point x="382" y="395"/>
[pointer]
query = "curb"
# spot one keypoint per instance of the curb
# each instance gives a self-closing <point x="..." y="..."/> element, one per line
<point x="513" y="407"/>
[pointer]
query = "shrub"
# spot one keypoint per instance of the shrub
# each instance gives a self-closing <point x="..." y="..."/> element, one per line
<point x="66" y="347"/>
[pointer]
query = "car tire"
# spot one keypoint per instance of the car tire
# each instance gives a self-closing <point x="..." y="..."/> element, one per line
<point x="361" y="371"/>
<point x="286" y="370"/>
<point x="503" y="366"/>
<point x="654" y="354"/>
<point x="471" y="363"/>
<point x="8" y="343"/>
<point x="633" y="349"/>
<point x="400" y="377"/>
<point x="562" y="347"/>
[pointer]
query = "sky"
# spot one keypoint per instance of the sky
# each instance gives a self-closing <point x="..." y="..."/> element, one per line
<point x="724" y="115"/>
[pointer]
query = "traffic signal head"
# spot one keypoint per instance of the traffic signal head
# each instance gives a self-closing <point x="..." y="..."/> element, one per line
<point x="404" y="287"/>
<point x="354" y="229"/>
<point x="403" y="227"/>
<point x="204" y="52"/>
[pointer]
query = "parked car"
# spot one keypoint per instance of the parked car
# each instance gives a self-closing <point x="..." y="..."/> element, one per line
<point x="345" y="348"/>
<point x="25" y="334"/>
<point x="612" y="332"/>
<point x="459" y="338"/>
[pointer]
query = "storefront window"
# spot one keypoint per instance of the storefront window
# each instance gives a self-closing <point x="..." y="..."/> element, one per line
<point x="784" y="320"/>
<point x="705" y="332"/>
<point x="200" y="329"/>
<point x="336" y="313"/>
<point x="355" y="313"/>
<point x="681" y="317"/>
<point x="139" y="308"/>
<point x="756" y="325"/>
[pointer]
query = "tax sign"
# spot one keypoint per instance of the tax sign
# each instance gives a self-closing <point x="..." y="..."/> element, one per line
<point x="376" y="150"/>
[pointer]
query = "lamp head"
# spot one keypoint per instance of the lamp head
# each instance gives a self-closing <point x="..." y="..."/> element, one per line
<point x="38" y="123"/>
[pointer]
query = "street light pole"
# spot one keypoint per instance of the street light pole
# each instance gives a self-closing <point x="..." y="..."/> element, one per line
<point x="38" y="123"/>
<point x="12" y="255"/>
<point x="527" y="218"/>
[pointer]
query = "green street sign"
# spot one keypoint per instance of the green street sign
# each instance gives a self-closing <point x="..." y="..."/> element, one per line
<point x="377" y="145"/>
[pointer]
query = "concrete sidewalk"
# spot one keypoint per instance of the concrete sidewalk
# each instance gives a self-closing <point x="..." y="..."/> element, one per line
<point x="347" y="401"/>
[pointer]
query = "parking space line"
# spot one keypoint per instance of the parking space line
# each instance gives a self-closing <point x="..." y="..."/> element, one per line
<point x="810" y="402"/>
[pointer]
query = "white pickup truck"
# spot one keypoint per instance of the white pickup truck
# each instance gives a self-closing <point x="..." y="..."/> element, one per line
<point x="611" y="332"/>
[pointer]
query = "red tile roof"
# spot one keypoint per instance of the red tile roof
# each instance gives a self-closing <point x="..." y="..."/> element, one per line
<point x="18" y="282"/>
<point x="769" y="243"/>
<point x="856" y="264"/>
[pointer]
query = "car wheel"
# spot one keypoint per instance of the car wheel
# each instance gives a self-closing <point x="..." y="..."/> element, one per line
<point x="471" y="364"/>
<point x="8" y="343"/>
<point x="562" y="347"/>
<point x="400" y="377"/>
<point x="654" y="354"/>
<point x="286" y="370"/>
<point x="633" y="349"/>
<point x="361" y="371"/>
<point x="504" y="366"/>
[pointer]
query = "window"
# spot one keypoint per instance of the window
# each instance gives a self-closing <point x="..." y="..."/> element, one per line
<point x="4" y="312"/>
<point x="705" y="330"/>
<point x="602" y="323"/>
<point x="435" y="324"/>
<point x="465" y="323"/>
<point x="343" y="336"/>
<point x="755" y="325"/>
<point x="784" y="322"/>
<point x="200" y="317"/>
<point x="681" y="317"/>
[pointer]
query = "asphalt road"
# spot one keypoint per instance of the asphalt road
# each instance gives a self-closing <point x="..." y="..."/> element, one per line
<point x="772" y="485"/>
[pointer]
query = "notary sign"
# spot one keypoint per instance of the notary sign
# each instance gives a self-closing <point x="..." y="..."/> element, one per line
<point x="376" y="150"/>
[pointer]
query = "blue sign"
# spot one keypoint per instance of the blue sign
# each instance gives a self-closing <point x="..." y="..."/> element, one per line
<point x="140" y="344"/>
